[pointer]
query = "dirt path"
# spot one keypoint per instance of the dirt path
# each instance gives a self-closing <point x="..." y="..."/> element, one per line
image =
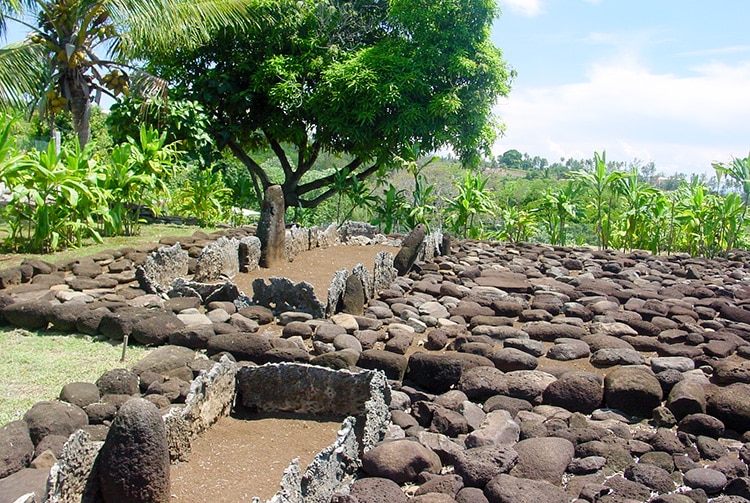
<point x="241" y="457"/>
<point x="317" y="266"/>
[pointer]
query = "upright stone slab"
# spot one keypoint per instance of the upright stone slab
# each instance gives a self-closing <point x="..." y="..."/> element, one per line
<point x="271" y="230"/>
<point x="218" y="259"/>
<point x="283" y="295"/>
<point x="431" y="249"/>
<point x="328" y="237"/>
<point x="297" y="241"/>
<point x="68" y="477"/>
<point x="361" y="272"/>
<point x="249" y="253"/>
<point x="384" y="273"/>
<point x="336" y="292"/>
<point x="353" y="300"/>
<point x="410" y="249"/>
<point x="161" y="268"/>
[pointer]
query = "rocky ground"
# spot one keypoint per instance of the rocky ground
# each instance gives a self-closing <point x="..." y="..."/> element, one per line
<point x="520" y="372"/>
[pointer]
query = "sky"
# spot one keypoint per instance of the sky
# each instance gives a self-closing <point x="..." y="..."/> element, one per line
<point x="666" y="81"/>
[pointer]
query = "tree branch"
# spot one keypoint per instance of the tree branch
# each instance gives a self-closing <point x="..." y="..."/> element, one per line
<point x="328" y="180"/>
<point x="279" y="151"/>
<point x="249" y="162"/>
<point x="312" y="203"/>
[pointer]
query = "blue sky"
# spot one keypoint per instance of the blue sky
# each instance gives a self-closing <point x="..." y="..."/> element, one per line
<point x="666" y="81"/>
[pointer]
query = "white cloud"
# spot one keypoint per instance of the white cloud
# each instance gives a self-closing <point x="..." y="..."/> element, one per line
<point x="730" y="49"/>
<point x="529" y="8"/>
<point x="683" y="123"/>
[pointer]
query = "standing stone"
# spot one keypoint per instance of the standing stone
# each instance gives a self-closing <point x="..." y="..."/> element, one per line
<point x="336" y="291"/>
<point x="384" y="273"/>
<point x="161" y="268"/>
<point x="133" y="463"/>
<point x="271" y="230"/>
<point x="249" y="253"/>
<point x="220" y="258"/>
<point x="410" y="249"/>
<point x="361" y="272"/>
<point x="353" y="300"/>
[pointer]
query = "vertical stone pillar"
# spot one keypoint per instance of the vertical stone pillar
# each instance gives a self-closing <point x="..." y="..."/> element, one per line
<point x="271" y="230"/>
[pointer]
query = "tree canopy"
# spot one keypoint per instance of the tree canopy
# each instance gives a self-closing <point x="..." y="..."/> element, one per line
<point x="78" y="49"/>
<point x="368" y="79"/>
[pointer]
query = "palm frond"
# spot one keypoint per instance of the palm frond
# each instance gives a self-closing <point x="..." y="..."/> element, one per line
<point x="147" y="86"/>
<point x="10" y="9"/>
<point x="165" y="24"/>
<point x="22" y="69"/>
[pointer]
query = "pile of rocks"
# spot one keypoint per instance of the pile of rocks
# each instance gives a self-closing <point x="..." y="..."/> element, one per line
<point x="529" y="372"/>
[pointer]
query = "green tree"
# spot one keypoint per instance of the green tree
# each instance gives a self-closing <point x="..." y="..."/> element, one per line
<point x="59" y="65"/>
<point x="363" y="78"/>
<point x="182" y="121"/>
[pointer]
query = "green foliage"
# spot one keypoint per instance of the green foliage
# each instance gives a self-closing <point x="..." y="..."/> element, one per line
<point x="203" y="196"/>
<point x="58" y="65"/>
<point x="472" y="202"/>
<point x="391" y="210"/>
<point x="181" y="121"/>
<point x="361" y="79"/>
<point x="60" y="199"/>
<point x="599" y="184"/>
<point x="358" y="193"/>
<point x="558" y="207"/>
<point x="516" y="224"/>
<point x="739" y="172"/>
<point x="642" y="217"/>
<point x="125" y="184"/>
<point x="54" y="199"/>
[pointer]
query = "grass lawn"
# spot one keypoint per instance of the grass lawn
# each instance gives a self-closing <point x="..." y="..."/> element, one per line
<point x="36" y="365"/>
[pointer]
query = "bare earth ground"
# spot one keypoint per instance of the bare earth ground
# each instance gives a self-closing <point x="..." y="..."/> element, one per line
<point x="317" y="266"/>
<point x="242" y="457"/>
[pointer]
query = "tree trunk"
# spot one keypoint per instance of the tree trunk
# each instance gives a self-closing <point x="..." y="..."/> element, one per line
<point x="79" y="98"/>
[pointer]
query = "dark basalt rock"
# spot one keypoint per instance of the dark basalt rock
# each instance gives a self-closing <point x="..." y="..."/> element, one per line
<point x="133" y="464"/>
<point x="410" y="248"/>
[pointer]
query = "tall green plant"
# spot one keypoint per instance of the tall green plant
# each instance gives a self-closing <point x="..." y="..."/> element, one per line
<point x="636" y="222"/>
<point x="464" y="211"/>
<point x="204" y="197"/>
<point x="516" y="224"/>
<point x="558" y="207"/>
<point x="357" y="193"/>
<point x="126" y="184"/>
<point x="599" y="185"/>
<point x="739" y="171"/>
<point x="157" y="160"/>
<point x="389" y="209"/>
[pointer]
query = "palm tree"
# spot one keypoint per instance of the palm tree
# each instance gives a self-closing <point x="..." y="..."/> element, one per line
<point x="77" y="50"/>
<point x="739" y="171"/>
